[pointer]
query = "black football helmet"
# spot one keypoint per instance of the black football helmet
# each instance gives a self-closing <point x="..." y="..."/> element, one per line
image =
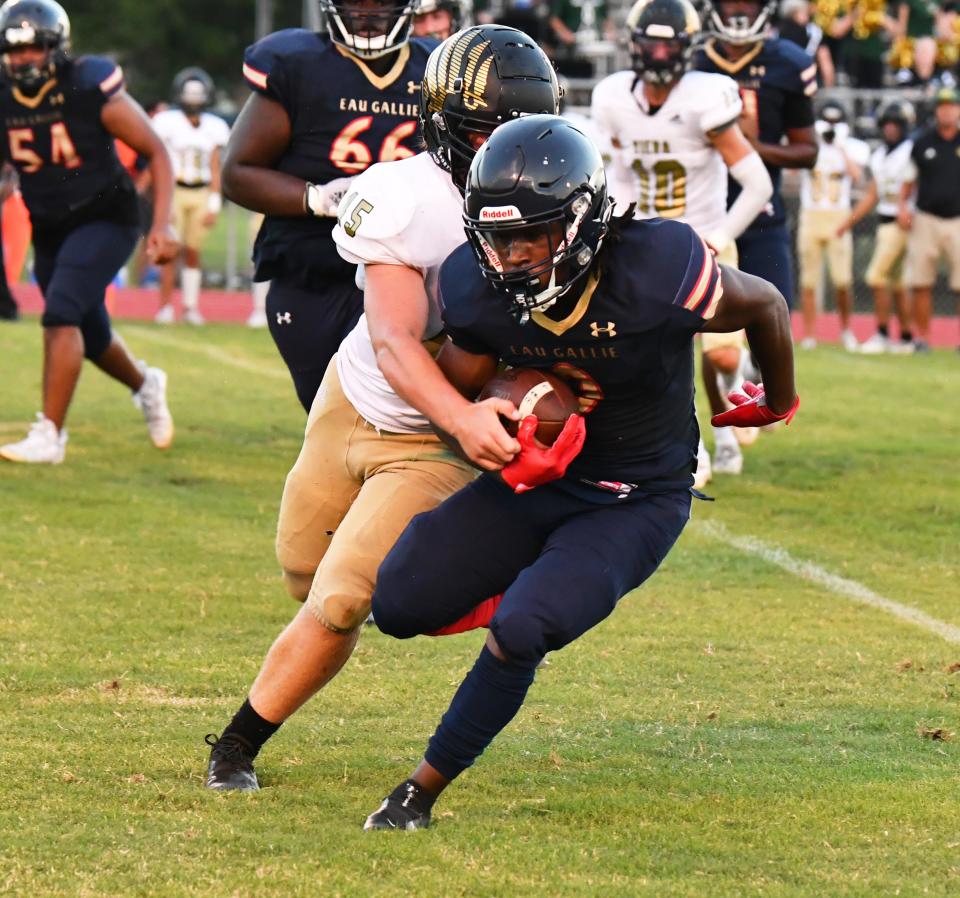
<point x="426" y="7"/>
<point x="832" y="113"/>
<point x="536" y="186"/>
<point x="740" y="21"/>
<point x="476" y="80"/>
<point x="899" y="112"/>
<point x="192" y="90"/>
<point x="662" y="35"/>
<point x="369" y="28"/>
<point x="33" y="23"/>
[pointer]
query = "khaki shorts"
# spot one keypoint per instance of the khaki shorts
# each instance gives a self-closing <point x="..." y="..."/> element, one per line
<point x="736" y="339"/>
<point x="886" y="263"/>
<point x="930" y="237"/>
<point x="189" y="212"/>
<point x="348" y="498"/>
<point x="818" y="234"/>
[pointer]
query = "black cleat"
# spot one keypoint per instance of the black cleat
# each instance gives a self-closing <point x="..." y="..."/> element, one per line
<point x="231" y="764"/>
<point x="9" y="311"/>
<point x="406" y="807"/>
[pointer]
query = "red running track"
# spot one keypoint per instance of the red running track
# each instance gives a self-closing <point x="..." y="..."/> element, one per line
<point x="140" y="304"/>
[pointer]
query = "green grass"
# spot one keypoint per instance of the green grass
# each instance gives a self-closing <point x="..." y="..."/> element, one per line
<point x="731" y="730"/>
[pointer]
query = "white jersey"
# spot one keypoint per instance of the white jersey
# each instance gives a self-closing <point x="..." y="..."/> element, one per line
<point x="407" y="212"/>
<point x="826" y="187"/>
<point x="890" y="168"/>
<point x="675" y="170"/>
<point x="619" y="191"/>
<point x="191" y="146"/>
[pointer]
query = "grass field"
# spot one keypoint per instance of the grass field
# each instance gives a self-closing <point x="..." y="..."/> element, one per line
<point x="734" y="729"/>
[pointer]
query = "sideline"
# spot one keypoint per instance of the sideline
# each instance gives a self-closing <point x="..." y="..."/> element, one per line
<point x="840" y="586"/>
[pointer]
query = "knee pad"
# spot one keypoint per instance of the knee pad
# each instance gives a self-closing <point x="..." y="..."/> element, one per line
<point x="520" y="637"/>
<point x="341" y="610"/>
<point x="297" y="584"/>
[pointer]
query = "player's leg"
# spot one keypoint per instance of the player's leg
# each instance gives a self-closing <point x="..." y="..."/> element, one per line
<point x="308" y="326"/>
<point x="449" y="560"/>
<point x="9" y="311"/>
<point x="840" y="266"/>
<point x="923" y="256"/>
<point x="587" y="565"/>
<point x="951" y="229"/>
<point x="168" y="271"/>
<point x="191" y="278"/>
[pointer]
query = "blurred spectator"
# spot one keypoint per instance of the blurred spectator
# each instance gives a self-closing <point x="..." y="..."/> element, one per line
<point x="889" y="166"/>
<point x="935" y="226"/>
<point x="824" y="207"/>
<point x="437" y="18"/>
<point x="824" y="14"/>
<point x="573" y="21"/>
<point x="529" y="16"/>
<point x="916" y="47"/>
<point x="796" y="26"/>
<point x="865" y="25"/>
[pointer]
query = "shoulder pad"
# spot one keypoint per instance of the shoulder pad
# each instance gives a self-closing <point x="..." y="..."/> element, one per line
<point x="216" y="125"/>
<point x="716" y="98"/>
<point x="607" y="88"/>
<point x="385" y="187"/>
<point x="795" y="68"/>
<point x="461" y="283"/>
<point x="272" y="54"/>
<point x="96" y="72"/>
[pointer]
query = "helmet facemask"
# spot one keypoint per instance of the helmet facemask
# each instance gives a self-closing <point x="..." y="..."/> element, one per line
<point x="741" y="28"/>
<point x="537" y="260"/>
<point x="369" y="29"/>
<point x="660" y="58"/>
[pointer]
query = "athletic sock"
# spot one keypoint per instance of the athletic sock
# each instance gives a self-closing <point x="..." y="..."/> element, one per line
<point x="487" y="700"/>
<point x="883" y="330"/>
<point x="724" y="436"/>
<point x="906" y="336"/>
<point x="250" y="727"/>
<point x="190" y="285"/>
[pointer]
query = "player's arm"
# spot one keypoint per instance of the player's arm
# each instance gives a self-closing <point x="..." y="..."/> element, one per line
<point x="862" y="209"/>
<point x="747" y="169"/>
<point x="396" y="306"/>
<point x="756" y="306"/>
<point x="214" y="199"/>
<point x="800" y="150"/>
<point x="124" y="119"/>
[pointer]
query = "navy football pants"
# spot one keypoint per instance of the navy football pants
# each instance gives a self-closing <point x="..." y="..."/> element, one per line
<point x="308" y="327"/>
<point x="766" y="254"/>
<point x="74" y="272"/>
<point x="561" y="561"/>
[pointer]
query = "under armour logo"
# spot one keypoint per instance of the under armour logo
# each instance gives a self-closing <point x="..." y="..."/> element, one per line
<point x="284" y="318"/>
<point x="610" y="330"/>
<point x="413" y="87"/>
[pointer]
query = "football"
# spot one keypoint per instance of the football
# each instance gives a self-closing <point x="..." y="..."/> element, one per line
<point x="534" y="393"/>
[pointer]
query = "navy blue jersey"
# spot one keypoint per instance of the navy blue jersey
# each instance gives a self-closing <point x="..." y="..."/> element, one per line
<point x="777" y="80"/>
<point x="343" y="119"/>
<point x="627" y="341"/>
<point x="67" y="160"/>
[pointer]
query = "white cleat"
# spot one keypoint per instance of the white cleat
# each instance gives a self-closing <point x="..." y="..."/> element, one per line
<point x="193" y="316"/>
<point x="901" y="347"/>
<point x="257" y="319"/>
<point x="746" y="436"/>
<point x="875" y="345"/>
<point x="43" y="445"/>
<point x="849" y="341"/>
<point x="808" y="343"/>
<point x="165" y="315"/>
<point x="727" y="459"/>
<point x="703" y="473"/>
<point x="152" y="401"/>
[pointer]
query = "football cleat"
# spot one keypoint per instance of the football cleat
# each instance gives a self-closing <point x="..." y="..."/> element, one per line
<point x="406" y="808"/>
<point x="901" y="347"/>
<point x="193" y="316"/>
<point x="875" y="345"/>
<point x="849" y="341"/>
<point x="808" y="343"/>
<point x="165" y="315"/>
<point x="43" y="445"/>
<point x="727" y="459"/>
<point x="152" y="401"/>
<point x="231" y="764"/>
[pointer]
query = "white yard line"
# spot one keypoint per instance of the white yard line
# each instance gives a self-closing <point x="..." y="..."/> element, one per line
<point x="840" y="586"/>
<point x="211" y="352"/>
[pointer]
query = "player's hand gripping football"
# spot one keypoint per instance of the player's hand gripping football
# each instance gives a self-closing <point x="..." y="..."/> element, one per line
<point x="537" y="464"/>
<point x="481" y="434"/>
<point x="751" y="409"/>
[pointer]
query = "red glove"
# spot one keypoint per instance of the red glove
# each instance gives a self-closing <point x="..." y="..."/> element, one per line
<point x="534" y="465"/>
<point x="751" y="409"/>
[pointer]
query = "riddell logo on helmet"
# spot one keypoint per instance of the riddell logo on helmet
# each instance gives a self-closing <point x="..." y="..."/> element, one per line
<point x="499" y="213"/>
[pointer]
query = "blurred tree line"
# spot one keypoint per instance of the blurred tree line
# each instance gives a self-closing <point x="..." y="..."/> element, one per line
<point x="153" y="40"/>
